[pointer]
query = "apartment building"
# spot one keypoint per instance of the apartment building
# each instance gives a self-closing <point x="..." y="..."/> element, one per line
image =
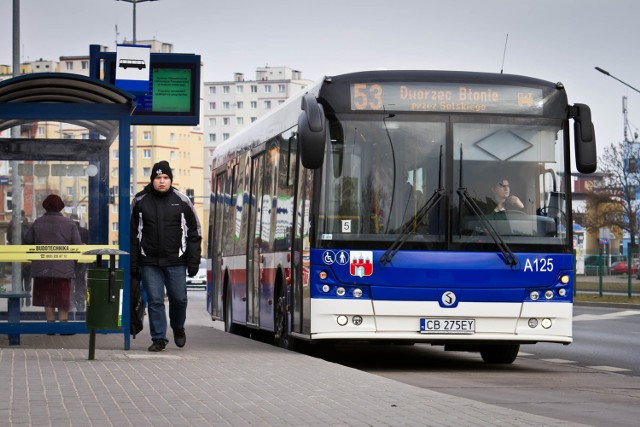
<point x="228" y="106"/>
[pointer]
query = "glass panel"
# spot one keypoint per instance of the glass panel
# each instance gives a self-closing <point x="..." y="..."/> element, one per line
<point x="378" y="174"/>
<point x="514" y="174"/>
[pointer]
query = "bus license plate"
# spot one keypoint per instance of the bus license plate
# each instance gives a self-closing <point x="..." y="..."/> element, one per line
<point x="447" y="326"/>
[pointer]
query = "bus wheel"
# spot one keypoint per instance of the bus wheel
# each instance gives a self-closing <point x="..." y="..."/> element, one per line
<point x="280" y="321"/>
<point x="228" y="324"/>
<point x="503" y="354"/>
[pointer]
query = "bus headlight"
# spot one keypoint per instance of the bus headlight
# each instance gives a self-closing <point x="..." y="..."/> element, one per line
<point x="562" y="292"/>
<point x="357" y="292"/>
<point x="546" y="323"/>
<point x="533" y="323"/>
<point x="340" y="291"/>
<point x="357" y="320"/>
<point x="548" y="294"/>
<point x="342" y="320"/>
<point x="534" y="295"/>
<point x="326" y="288"/>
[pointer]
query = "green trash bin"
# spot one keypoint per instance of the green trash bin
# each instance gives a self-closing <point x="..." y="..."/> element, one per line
<point x="104" y="306"/>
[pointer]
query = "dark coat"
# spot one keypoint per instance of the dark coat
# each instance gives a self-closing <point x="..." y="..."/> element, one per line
<point x="53" y="228"/>
<point x="165" y="230"/>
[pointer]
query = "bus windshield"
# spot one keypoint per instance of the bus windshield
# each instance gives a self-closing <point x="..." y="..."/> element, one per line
<point x="381" y="170"/>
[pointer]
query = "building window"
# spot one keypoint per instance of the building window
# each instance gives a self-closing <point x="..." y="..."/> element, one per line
<point x="267" y="105"/>
<point x="84" y="65"/>
<point x="146" y="135"/>
<point x="146" y="172"/>
<point x="212" y="106"/>
<point x="225" y="89"/>
<point x="172" y="155"/>
<point x="212" y="90"/>
<point x="69" y="191"/>
<point x="267" y="88"/>
<point x="239" y="89"/>
<point x="253" y="119"/>
<point x="254" y="88"/>
<point x="40" y="130"/>
<point x="68" y="66"/>
<point x="225" y="121"/>
<point x="172" y="137"/>
<point x="240" y="105"/>
<point x="226" y="105"/>
<point x="114" y="226"/>
<point x="281" y="88"/>
<point x="225" y="136"/>
<point x="146" y="153"/>
<point x="280" y="101"/>
<point x="83" y="190"/>
<point x="212" y="121"/>
<point x="115" y="154"/>
<point x="254" y="105"/>
<point x="212" y="137"/>
<point x="239" y="121"/>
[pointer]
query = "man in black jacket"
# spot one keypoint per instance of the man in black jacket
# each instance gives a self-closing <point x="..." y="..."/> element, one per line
<point x="165" y="241"/>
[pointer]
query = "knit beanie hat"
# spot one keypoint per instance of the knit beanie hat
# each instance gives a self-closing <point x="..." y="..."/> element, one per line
<point x="53" y="203"/>
<point x="161" y="168"/>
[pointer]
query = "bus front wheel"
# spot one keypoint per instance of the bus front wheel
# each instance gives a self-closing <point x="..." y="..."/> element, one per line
<point x="503" y="354"/>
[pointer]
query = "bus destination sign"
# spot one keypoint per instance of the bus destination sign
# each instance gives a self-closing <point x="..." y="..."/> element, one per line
<point x="446" y="98"/>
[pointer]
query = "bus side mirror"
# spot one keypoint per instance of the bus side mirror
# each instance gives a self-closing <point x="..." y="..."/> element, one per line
<point x="312" y="132"/>
<point x="585" y="139"/>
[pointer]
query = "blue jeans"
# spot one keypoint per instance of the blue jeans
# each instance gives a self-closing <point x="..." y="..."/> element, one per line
<point x="154" y="281"/>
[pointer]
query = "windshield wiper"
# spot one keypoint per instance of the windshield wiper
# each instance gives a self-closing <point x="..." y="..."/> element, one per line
<point x="508" y="256"/>
<point x="408" y="227"/>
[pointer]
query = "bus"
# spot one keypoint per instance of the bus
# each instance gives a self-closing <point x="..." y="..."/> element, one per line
<point x="358" y="211"/>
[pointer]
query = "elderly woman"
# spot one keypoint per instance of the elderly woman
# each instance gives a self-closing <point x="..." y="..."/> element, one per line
<point x="52" y="279"/>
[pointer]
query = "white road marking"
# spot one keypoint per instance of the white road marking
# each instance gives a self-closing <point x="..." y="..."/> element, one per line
<point x="606" y="316"/>
<point x="608" y="368"/>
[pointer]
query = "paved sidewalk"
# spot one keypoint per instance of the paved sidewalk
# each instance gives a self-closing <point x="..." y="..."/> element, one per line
<point x="217" y="379"/>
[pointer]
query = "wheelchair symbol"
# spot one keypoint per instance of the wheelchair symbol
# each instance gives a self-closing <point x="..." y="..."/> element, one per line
<point x="328" y="257"/>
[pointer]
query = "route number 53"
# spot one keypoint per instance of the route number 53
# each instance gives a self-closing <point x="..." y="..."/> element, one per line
<point x="367" y="96"/>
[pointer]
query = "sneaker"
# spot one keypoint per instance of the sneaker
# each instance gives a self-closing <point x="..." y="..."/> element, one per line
<point x="158" y="345"/>
<point x="179" y="337"/>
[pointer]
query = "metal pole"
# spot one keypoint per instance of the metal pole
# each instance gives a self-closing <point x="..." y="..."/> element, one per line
<point x="134" y="141"/>
<point x="16" y="189"/>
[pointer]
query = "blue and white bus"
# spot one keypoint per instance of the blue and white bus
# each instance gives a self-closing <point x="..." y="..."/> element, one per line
<point x="363" y="209"/>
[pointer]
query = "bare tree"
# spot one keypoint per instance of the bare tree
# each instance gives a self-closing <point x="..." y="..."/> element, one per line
<point x="613" y="199"/>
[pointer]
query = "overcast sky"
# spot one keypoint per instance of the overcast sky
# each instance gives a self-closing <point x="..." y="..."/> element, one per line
<point x="555" y="40"/>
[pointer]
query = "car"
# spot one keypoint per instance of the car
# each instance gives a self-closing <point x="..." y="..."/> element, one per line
<point x="620" y="267"/>
<point x="592" y="263"/>
<point x="199" y="281"/>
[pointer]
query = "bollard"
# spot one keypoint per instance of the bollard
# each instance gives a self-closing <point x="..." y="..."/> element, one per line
<point x="104" y="295"/>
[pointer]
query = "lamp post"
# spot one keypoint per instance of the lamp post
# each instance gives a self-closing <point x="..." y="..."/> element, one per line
<point x="134" y="142"/>
<point x="606" y="73"/>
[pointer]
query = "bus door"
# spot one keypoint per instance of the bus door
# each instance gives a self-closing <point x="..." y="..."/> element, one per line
<point x="217" y="296"/>
<point x="300" y="298"/>
<point x="254" y="233"/>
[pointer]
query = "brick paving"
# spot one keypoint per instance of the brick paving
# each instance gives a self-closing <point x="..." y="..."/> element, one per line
<point x="217" y="379"/>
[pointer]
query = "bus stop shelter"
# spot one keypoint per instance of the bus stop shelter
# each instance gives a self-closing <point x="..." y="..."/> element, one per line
<point x="102" y="109"/>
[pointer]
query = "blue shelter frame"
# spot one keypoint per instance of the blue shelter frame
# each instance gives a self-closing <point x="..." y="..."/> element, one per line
<point x="105" y="111"/>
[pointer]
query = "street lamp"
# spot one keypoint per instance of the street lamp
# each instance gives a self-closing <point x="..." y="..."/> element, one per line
<point x="134" y="142"/>
<point x="606" y="73"/>
<point x="135" y="2"/>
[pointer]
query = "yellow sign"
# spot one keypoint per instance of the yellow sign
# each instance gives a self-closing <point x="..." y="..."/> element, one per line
<point x="28" y="253"/>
